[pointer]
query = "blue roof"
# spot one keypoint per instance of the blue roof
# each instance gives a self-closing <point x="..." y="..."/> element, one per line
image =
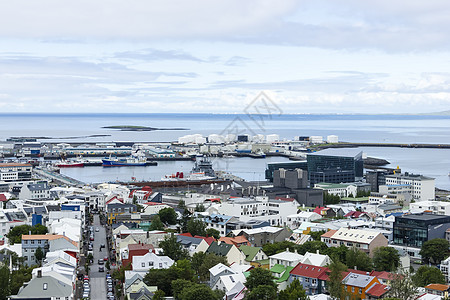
<point x="218" y="219"/>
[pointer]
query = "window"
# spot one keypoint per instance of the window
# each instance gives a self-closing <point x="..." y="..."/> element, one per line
<point x="360" y="291"/>
<point x="45" y="286"/>
<point x="353" y="289"/>
<point x="143" y="264"/>
<point x="160" y="265"/>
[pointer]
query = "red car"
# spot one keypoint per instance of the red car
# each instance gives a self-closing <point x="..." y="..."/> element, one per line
<point x="106" y="258"/>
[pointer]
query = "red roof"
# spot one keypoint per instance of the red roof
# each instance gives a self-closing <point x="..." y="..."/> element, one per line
<point x="329" y="233"/>
<point x="310" y="271"/>
<point x="377" y="290"/>
<point x="186" y="234"/>
<point x="213" y="199"/>
<point x="133" y="247"/>
<point x="208" y="239"/>
<point x="354" y="214"/>
<point x="14" y="165"/>
<point x="318" y="210"/>
<point x="154" y="203"/>
<point x="3" y="198"/>
<point x="344" y="274"/>
<point x="382" y="275"/>
<point x="147" y="189"/>
<point x="114" y="198"/>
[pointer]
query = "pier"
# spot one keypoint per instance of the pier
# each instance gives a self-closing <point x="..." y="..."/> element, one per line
<point x="60" y="178"/>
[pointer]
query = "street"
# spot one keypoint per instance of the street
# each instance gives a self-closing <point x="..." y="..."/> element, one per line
<point x="98" y="279"/>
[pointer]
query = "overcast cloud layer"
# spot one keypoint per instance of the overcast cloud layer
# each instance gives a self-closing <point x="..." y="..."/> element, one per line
<point x="320" y="56"/>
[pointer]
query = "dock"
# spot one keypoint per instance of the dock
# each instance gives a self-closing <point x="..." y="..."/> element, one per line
<point x="60" y="178"/>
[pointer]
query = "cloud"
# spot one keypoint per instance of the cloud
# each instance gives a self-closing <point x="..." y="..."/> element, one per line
<point x="157" y="55"/>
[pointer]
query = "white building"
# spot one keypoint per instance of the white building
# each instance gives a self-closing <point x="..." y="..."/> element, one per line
<point x="286" y="258"/>
<point x="332" y="139"/>
<point x="437" y="207"/>
<point x="151" y="261"/>
<point x="293" y="221"/>
<point x="315" y="139"/>
<point x="423" y="188"/>
<point x="271" y="138"/>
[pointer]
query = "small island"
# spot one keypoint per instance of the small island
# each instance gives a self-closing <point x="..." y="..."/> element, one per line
<point x="139" y="128"/>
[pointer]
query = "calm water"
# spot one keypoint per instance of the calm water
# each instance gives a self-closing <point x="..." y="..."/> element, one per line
<point x="350" y="128"/>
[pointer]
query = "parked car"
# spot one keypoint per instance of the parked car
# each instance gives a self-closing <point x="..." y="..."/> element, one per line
<point x="101" y="269"/>
<point x="106" y="258"/>
<point x="97" y="229"/>
<point x="101" y="261"/>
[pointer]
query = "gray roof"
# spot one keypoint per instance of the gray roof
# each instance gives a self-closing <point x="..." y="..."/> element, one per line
<point x="35" y="288"/>
<point x="424" y="217"/>
<point x="133" y="278"/>
<point x="410" y="176"/>
<point x="221" y="249"/>
<point x="347" y="152"/>
<point x="38" y="186"/>
<point x="143" y="293"/>
<point x="187" y="240"/>
<point x="357" y="280"/>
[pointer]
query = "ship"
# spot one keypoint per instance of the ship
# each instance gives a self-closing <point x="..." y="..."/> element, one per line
<point x="129" y="161"/>
<point x="69" y="164"/>
<point x="202" y="170"/>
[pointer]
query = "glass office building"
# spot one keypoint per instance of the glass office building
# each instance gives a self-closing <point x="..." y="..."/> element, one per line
<point x="335" y="166"/>
<point x="415" y="229"/>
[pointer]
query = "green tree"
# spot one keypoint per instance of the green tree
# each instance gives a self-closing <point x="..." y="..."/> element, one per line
<point x="426" y="275"/>
<point x="162" y="278"/>
<point x="18" y="277"/>
<point x="312" y="247"/>
<point x="386" y="259"/>
<point x="15" y="234"/>
<point x="213" y="232"/>
<point x="434" y="250"/>
<point x="331" y="199"/>
<point x="294" y="291"/>
<point x="202" y="262"/>
<point x="196" y="227"/>
<point x="359" y="259"/>
<point x="39" y="255"/>
<point x="5" y="288"/>
<point x="156" y="224"/>
<point x="402" y="287"/>
<point x="262" y="292"/>
<point x="337" y="252"/>
<point x="168" y="216"/>
<point x="198" y="292"/>
<point x="200" y="208"/>
<point x="335" y="278"/>
<point x="107" y="265"/>
<point x="316" y="234"/>
<point x="181" y="204"/>
<point x="159" y="295"/>
<point x="172" y="248"/>
<point x="259" y="276"/>
<point x="178" y="286"/>
<point x="277" y="247"/>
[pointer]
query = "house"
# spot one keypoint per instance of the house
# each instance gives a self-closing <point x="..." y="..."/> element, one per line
<point x="135" y="288"/>
<point x="217" y="271"/>
<point x="114" y="209"/>
<point x="151" y="261"/>
<point x="377" y="291"/>
<point x="286" y="259"/>
<point x="357" y="284"/>
<point x="363" y="239"/>
<point x="230" y="252"/>
<point x="46" y="287"/>
<point x="228" y="282"/>
<point x="293" y="221"/>
<point x="253" y="255"/>
<point x="48" y="242"/>
<point x="325" y="212"/>
<point x="132" y="250"/>
<point x="357" y="215"/>
<point x="261" y="236"/>
<point x="219" y="222"/>
<point x="316" y="259"/>
<point x="152" y="208"/>
<point x="438" y="289"/>
<point x="312" y="278"/>
<point x="281" y="273"/>
<point x="40" y="190"/>
<point x="238" y="241"/>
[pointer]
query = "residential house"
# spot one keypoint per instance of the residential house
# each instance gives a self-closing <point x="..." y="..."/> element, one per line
<point x="286" y="259"/>
<point x="363" y="239"/>
<point x="48" y="242"/>
<point x="312" y="278"/>
<point x="151" y="261"/>
<point x="46" y="287"/>
<point x="377" y="291"/>
<point x="132" y="250"/>
<point x="261" y="236"/>
<point x="295" y="220"/>
<point x="253" y="255"/>
<point x="357" y="284"/>
<point x="217" y="271"/>
<point x="238" y="241"/>
<point x="325" y="212"/>
<point x="114" y="209"/>
<point x="438" y="289"/>
<point x="40" y="190"/>
<point x="219" y="223"/>
<point x="230" y="252"/>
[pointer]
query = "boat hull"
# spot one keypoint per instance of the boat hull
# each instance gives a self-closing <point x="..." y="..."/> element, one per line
<point x="74" y="165"/>
<point x="111" y="163"/>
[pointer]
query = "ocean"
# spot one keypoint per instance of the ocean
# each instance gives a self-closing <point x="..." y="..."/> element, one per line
<point x="350" y="128"/>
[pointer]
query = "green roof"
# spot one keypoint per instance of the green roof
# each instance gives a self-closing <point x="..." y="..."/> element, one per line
<point x="277" y="268"/>
<point x="246" y="274"/>
<point x="249" y="252"/>
<point x="360" y="199"/>
<point x="285" y="275"/>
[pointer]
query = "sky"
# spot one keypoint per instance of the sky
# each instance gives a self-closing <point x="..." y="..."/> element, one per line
<point x="145" y="56"/>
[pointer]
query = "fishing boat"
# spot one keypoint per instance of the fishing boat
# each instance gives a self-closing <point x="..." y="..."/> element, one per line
<point x="129" y="161"/>
<point x="69" y="164"/>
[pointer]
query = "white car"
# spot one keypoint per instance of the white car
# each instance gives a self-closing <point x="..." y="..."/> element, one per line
<point x="97" y="229"/>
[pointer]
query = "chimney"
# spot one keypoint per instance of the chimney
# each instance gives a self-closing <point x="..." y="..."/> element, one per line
<point x="317" y="251"/>
<point x="39" y="273"/>
<point x="287" y="249"/>
<point x="295" y="251"/>
<point x="355" y="268"/>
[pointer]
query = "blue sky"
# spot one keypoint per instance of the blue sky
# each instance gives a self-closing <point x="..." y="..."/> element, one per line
<point x="318" y="56"/>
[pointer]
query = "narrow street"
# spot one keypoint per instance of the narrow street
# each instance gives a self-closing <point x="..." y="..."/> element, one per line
<point x="98" y="279"/>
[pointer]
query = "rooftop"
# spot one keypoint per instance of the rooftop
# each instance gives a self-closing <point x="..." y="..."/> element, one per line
<point x="357" y="280"/>
<point x="438" y="287"/>
<point x="352" y="152"/>
<point x="423" y="217"/>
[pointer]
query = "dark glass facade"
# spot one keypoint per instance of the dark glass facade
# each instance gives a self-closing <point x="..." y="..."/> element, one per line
<point x="287" y="166"/>
<point x="334" y="168"/>
<point x="415" y="229"/>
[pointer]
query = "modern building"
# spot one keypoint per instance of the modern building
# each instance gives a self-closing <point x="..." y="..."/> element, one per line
<point x="413" y="230"/>
<point x="272" y="167"/>
<point x="422" y="187"/>
<point x="335" y="166"/>
<point x="436" y="207"/>
<point x="376" y="178"/>
<point x="15" y="172"/>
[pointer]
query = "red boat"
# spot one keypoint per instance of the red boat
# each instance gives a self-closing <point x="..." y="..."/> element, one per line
<point x="67" y="164"/>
